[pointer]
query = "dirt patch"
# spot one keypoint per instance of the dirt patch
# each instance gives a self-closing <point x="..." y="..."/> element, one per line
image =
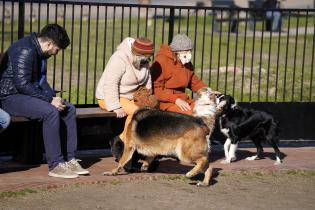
<point x="241" y="190"/>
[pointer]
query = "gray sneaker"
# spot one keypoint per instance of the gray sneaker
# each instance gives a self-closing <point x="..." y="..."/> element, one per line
<point x="62" y="171"/>
<point x="74" y="166"/>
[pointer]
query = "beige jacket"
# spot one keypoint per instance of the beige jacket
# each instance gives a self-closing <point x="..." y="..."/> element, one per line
<point x="120" y="78"/>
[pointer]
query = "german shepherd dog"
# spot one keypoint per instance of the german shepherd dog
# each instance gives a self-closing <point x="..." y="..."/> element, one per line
<point x="237" y="123"/>
<point x="155" y="132"/>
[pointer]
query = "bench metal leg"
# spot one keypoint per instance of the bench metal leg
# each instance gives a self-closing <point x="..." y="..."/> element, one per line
<point x="29" y="143"/>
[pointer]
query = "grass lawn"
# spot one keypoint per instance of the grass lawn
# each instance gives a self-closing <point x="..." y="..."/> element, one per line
<point x="253" y="67"/>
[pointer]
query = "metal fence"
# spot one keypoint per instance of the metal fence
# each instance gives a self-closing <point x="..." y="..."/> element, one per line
<point x="251" y="63"/>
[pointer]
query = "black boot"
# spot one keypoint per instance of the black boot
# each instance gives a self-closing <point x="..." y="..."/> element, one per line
<point x="154" y="164"/>
<point x="117" y="149"/>
<point x="133" y="165"/>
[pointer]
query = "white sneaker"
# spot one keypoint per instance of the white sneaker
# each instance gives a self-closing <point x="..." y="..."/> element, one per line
<point x="62" y="171"/>
<point x="75" y="167"/>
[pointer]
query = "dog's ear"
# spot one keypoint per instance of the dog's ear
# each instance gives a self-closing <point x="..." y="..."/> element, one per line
<point x="231" y="101"/>
<point x="217" y="93"/>
<point x="213" y="97"/>
<point x="202" y="91"/>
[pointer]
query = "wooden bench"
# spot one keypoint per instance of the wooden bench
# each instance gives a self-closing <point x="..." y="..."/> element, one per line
<point x="225" y="12"/>
<point x="90" y="112"/>
<point x="29" y="147"/>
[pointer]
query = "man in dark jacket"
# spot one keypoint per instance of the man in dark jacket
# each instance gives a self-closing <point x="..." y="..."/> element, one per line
<point x="24" y="91"/>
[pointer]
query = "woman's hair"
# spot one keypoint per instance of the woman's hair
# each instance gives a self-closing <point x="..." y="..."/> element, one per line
<point x="56" y="34"/>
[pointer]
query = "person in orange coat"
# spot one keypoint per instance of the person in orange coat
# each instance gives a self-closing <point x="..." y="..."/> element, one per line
<point x="172" y="72"/>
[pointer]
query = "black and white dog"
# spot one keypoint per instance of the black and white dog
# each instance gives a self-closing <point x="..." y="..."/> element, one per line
<point x="237" y="123"/>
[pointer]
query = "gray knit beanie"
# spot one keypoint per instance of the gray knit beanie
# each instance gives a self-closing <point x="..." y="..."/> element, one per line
<point x="181" y="42"/>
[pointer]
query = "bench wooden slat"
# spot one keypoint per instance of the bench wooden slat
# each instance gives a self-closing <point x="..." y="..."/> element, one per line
<point x="93" y="112"/>
<point x="19" y="119"/>
<point x="81" y="113"/>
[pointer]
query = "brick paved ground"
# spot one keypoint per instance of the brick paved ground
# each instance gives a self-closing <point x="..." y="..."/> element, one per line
<point x="16" y="177"/>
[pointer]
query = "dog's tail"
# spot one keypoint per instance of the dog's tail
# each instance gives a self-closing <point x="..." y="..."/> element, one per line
<point x="277" y="130"/>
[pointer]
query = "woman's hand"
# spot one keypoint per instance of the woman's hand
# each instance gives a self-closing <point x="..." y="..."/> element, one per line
<point x="120" y="113"/>
<point x="183" y="105"/>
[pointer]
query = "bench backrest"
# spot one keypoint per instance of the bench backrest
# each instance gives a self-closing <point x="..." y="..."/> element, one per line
<point x="256" y="4"/>
<point x="223" y="3"/>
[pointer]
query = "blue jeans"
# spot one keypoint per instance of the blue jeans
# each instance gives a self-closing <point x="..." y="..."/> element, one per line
<point x="275" y="16"/>
<point x="4" y="120"/>
<point x="53" y="122"/>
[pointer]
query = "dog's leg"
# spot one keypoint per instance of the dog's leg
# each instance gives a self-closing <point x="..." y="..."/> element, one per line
<point x="127" y="155"/>
<point x="229" y="151"/>
<point x="259" y="150"/>
<point x="232" y="151"/>
<point x="117" y="147"/>
<point x="277" y="151"/>
<point x="227" y="145"/>
<point x="209" y="143"/>
<point x="208" y="175"/>
<point x="146" y="163"/>
<point x="201" y="163"/>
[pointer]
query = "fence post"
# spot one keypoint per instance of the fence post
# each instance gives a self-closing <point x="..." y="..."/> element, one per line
<point x="171" y="25"/>
<point x="21" y="19"/>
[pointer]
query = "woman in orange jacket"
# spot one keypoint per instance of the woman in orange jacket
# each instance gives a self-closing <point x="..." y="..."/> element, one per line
<point x="172" y="72"/>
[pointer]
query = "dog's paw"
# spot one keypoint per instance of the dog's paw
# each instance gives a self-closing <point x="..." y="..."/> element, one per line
<point x="277" y="163"/>
<point x="225" y="161"/>
<point x="233" y="159"/>
<point x="202" y="184"/>
<point x="110" y="173"/>
<point x="190" y="174"/>
<point x="255" y="157"/>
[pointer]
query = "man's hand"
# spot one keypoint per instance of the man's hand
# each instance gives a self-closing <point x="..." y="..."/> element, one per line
<point x="58" y="103"/>
<point x="183" y="105"/>
<point x="120" y="112"/>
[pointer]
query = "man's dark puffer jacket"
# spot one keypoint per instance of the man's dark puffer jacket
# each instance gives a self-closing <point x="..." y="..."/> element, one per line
<point x="20" y="70"/>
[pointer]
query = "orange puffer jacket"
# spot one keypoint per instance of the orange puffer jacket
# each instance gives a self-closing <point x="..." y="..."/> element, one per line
<point x="170" y="79"/>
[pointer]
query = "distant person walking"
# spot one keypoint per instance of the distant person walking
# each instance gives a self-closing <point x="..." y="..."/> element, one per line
<point x="274" y="16"/>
